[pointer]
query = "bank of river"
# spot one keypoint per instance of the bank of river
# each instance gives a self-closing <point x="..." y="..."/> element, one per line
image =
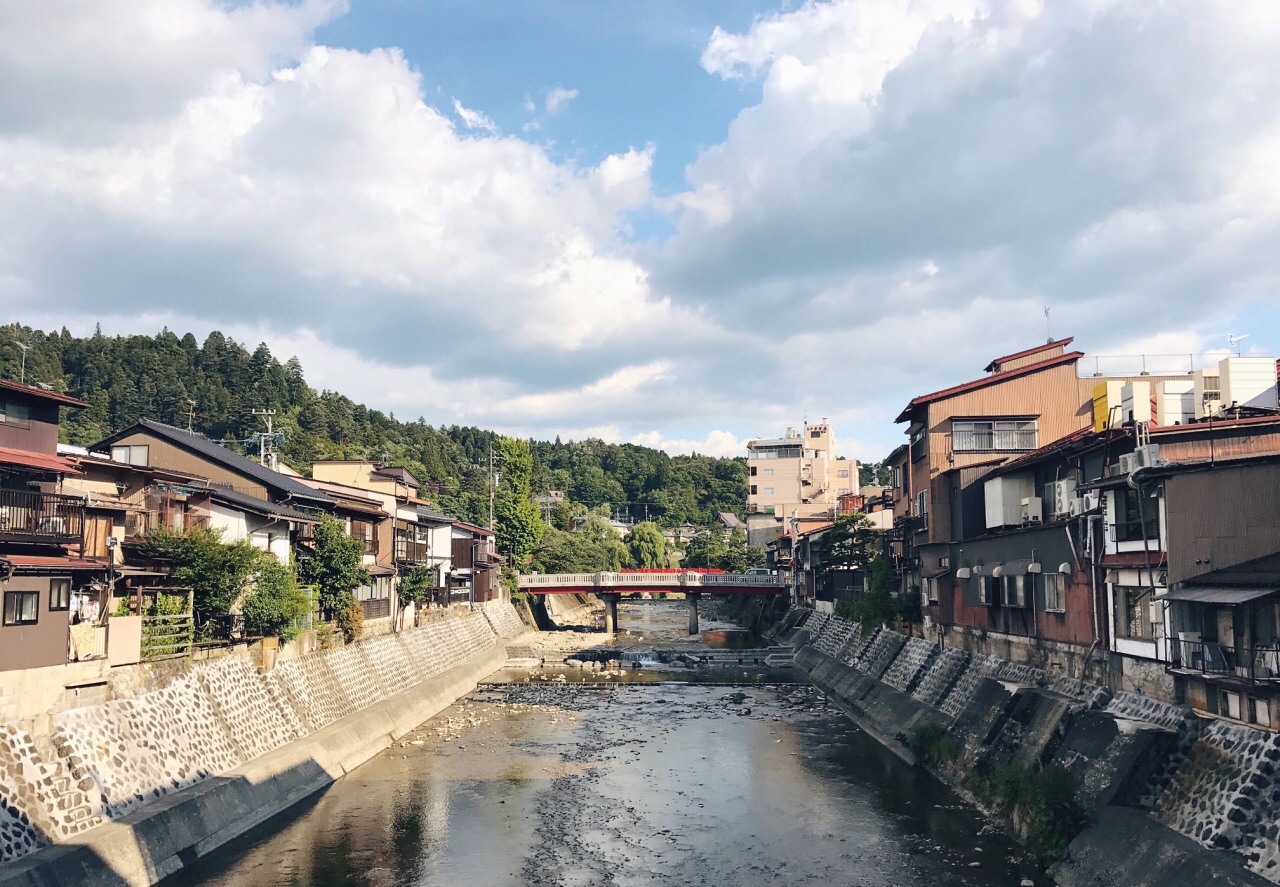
<point x="547" y="783"/>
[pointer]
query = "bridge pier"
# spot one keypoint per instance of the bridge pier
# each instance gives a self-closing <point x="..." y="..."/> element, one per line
<point x="610" y="611"/>
<point x="693" y="597"/>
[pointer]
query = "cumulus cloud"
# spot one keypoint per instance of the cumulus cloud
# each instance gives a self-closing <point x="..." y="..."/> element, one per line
<point x="557" y="97"/>
<point x="475" y="119"/>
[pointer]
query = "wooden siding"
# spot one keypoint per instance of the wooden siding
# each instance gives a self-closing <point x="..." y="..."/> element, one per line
<point x="1221" y="518"/>
<point x="1053" y="396"/>
<point x="39" y="434"/>
<point x="1220" y="443"/>
<point x="164" y="454"/>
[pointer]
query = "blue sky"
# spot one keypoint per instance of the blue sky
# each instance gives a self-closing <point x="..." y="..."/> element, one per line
<point x="678" y="224"/>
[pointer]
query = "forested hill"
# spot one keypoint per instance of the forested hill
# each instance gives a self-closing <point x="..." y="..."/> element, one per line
<point x="126" y="378"/>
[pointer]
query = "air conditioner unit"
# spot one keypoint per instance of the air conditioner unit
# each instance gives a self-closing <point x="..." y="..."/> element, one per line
<point x="1090" y="502"/>
<point x="1147" y="456"/>
<point x="1075" y="507"/>
<point x="1064" y="492"/>
<point x="1032" y="510"/>
<point x="1128" y="463"/>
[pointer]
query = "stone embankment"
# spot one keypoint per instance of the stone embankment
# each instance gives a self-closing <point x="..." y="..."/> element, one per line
<point x="1171" y="800"/>
<point x="129" y="791"/>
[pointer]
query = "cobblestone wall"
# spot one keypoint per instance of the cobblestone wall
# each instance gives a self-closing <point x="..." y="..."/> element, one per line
<point x="1219" y="786"/>
<point x="104" y="761"/>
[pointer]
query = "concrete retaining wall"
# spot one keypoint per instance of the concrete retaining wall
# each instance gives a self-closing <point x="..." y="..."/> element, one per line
<point x="1167" y="796"/>
<point x="127" y="791"/>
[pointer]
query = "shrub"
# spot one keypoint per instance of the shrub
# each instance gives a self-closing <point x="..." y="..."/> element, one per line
<point x="930" y="743"/>
<point x="350" y="616"/>
<point x="276" y="603"/>
<point x="1046" y="797"/>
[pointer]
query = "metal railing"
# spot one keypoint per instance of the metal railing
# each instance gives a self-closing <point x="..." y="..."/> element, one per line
<point x="674" y="581"/>
<point x="1021" y="439"/>
<point x="41" y="517"/>
<point x="1254" y="664"/>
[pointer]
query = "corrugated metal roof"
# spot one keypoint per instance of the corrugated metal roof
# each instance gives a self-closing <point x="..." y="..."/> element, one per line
<point x="995" y="378"/>
<point x="260" y="506"/>
<point x="1060" y="343"/>
<point x="42" y="461"/>
<point x="56" y="397"/>
<point x="1219" y="594"/>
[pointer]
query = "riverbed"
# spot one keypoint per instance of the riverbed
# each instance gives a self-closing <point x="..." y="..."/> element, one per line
<point x="534" y="779"/>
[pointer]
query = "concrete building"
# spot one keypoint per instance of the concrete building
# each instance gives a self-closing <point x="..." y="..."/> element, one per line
<point x="798" y="474"/>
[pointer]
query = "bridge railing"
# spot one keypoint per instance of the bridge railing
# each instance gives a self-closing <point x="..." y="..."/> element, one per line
<point x="688" y="581"/>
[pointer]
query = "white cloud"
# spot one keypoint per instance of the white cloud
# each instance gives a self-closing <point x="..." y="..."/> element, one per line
<point x="475" y="119"/>
<point x="714" y="443"/>
<point x="557" y="97"/>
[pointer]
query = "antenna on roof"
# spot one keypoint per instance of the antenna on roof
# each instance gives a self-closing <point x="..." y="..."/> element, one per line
<point x="191" y="414"/>
<point x="1233" y="341"/>
<point x="1048" y="332"/>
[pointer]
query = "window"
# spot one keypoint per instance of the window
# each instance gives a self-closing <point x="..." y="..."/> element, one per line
<point x="752" y="471"/>
<point x="919" y="445"/>
<point x="1055" y="593"/>
<point x="897" y="478"/>
<point x="815" y="433"/>
<point x="922" y="502"/>
<point x="13" y="414"/>
<point x="982" y="589"/>
<point x="21" y="607"/>
<point x="994" y="434"/>
<point x="1129" y="526"/>
<point x="1133" y="613"/>
<point x="843" y="472"/>
<point x="1015" y="591"/>
<point x="768" y="472"/>
<point x="131" y="455"/>
<point x="768" y="491"/>
<point x="59" y="594"/>
<point x="753" y="489"/>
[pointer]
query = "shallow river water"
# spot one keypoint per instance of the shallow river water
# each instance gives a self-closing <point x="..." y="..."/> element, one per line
<point x="538" y="782"/>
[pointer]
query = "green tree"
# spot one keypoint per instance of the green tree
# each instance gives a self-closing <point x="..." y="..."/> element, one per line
<point x="417" y="584"/>
<point x="849" y="544"/>
<point x="646" y="546"/>
<point x="707" y="549"/>
<point x="216" y="572"/>
<point x="335" y="568"/>
<point x="276" y="602"/>
<point x="519" y="521"/>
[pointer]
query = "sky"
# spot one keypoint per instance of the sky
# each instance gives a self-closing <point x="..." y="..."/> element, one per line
<point x="677" y="224"/>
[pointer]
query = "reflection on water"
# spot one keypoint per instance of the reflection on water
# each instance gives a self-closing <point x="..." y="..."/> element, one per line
<point x="628" y="784"/>
<point x="731" y="639"/>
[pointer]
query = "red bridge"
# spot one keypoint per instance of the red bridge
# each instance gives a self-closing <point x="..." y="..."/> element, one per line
<point x="609" y="587"/>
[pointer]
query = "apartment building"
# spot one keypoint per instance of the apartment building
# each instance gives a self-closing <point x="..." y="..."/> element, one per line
<point x="796" y="475"/>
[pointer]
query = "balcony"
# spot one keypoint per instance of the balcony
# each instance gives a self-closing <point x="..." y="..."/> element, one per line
<point x="41" y="518"/>
<point x="1258" y="664"/>
<point x="410" y="552"/>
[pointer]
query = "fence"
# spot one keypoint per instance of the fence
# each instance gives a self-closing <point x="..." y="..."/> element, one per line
<point x="1254" y="664"/>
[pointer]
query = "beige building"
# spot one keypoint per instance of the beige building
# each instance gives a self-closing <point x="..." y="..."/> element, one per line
<point x="799" y="474"/>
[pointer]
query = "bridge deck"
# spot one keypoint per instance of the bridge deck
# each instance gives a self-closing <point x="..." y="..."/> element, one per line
<point x="677" y="582"/>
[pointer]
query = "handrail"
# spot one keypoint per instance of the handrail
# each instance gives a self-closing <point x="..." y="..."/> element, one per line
<point x="607" y="580"/>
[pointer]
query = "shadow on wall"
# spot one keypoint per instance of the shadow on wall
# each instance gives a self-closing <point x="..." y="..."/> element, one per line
<point x="104" y="762"/>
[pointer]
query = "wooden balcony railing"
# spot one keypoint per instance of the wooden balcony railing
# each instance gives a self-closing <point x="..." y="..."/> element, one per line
<point x="43" y="518"/>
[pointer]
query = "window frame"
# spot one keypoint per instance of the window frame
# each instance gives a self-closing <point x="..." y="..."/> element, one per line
<point x="60" y="582"/>
<point x="983" y="435"/>
<point x="6" y="409"/>
<point x="17" y="594"/>
<point x="1054" y="595"/>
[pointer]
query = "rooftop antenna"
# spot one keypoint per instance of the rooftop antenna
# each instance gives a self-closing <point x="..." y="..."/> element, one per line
<point x="1048" y="332"/>
<point x="191" y="414"/>
<point x="1233" y="341"/>
<point x="22" y="379"/>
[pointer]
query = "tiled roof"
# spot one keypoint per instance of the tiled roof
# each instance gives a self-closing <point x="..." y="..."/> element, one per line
<point x="994" y="379"/>
<point x="64" y="399"/>
<point x="259" y="506"/>
<point x="197" y="443"/>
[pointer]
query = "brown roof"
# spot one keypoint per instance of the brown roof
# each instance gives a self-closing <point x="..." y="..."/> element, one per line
<point x="993" y="379"/>
<point x="53" y="562"/>
<point x="64" y="399"/>
<point x="43" y="461"/>
<point x="1061" y="343"/>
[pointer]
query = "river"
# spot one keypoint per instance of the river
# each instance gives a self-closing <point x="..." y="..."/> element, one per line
<point x="538" y="780"/>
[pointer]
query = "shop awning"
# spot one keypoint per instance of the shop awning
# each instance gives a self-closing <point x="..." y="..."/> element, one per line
<point x="1220" y="594"/>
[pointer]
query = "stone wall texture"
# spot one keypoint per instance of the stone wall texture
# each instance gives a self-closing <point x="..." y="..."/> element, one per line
<point x="105" y="761"/>
<point x="1218" y="785"/>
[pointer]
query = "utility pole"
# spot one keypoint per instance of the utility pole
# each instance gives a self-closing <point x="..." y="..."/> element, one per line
<point x="492" y="476"/>
<point x="265" y="441"/>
